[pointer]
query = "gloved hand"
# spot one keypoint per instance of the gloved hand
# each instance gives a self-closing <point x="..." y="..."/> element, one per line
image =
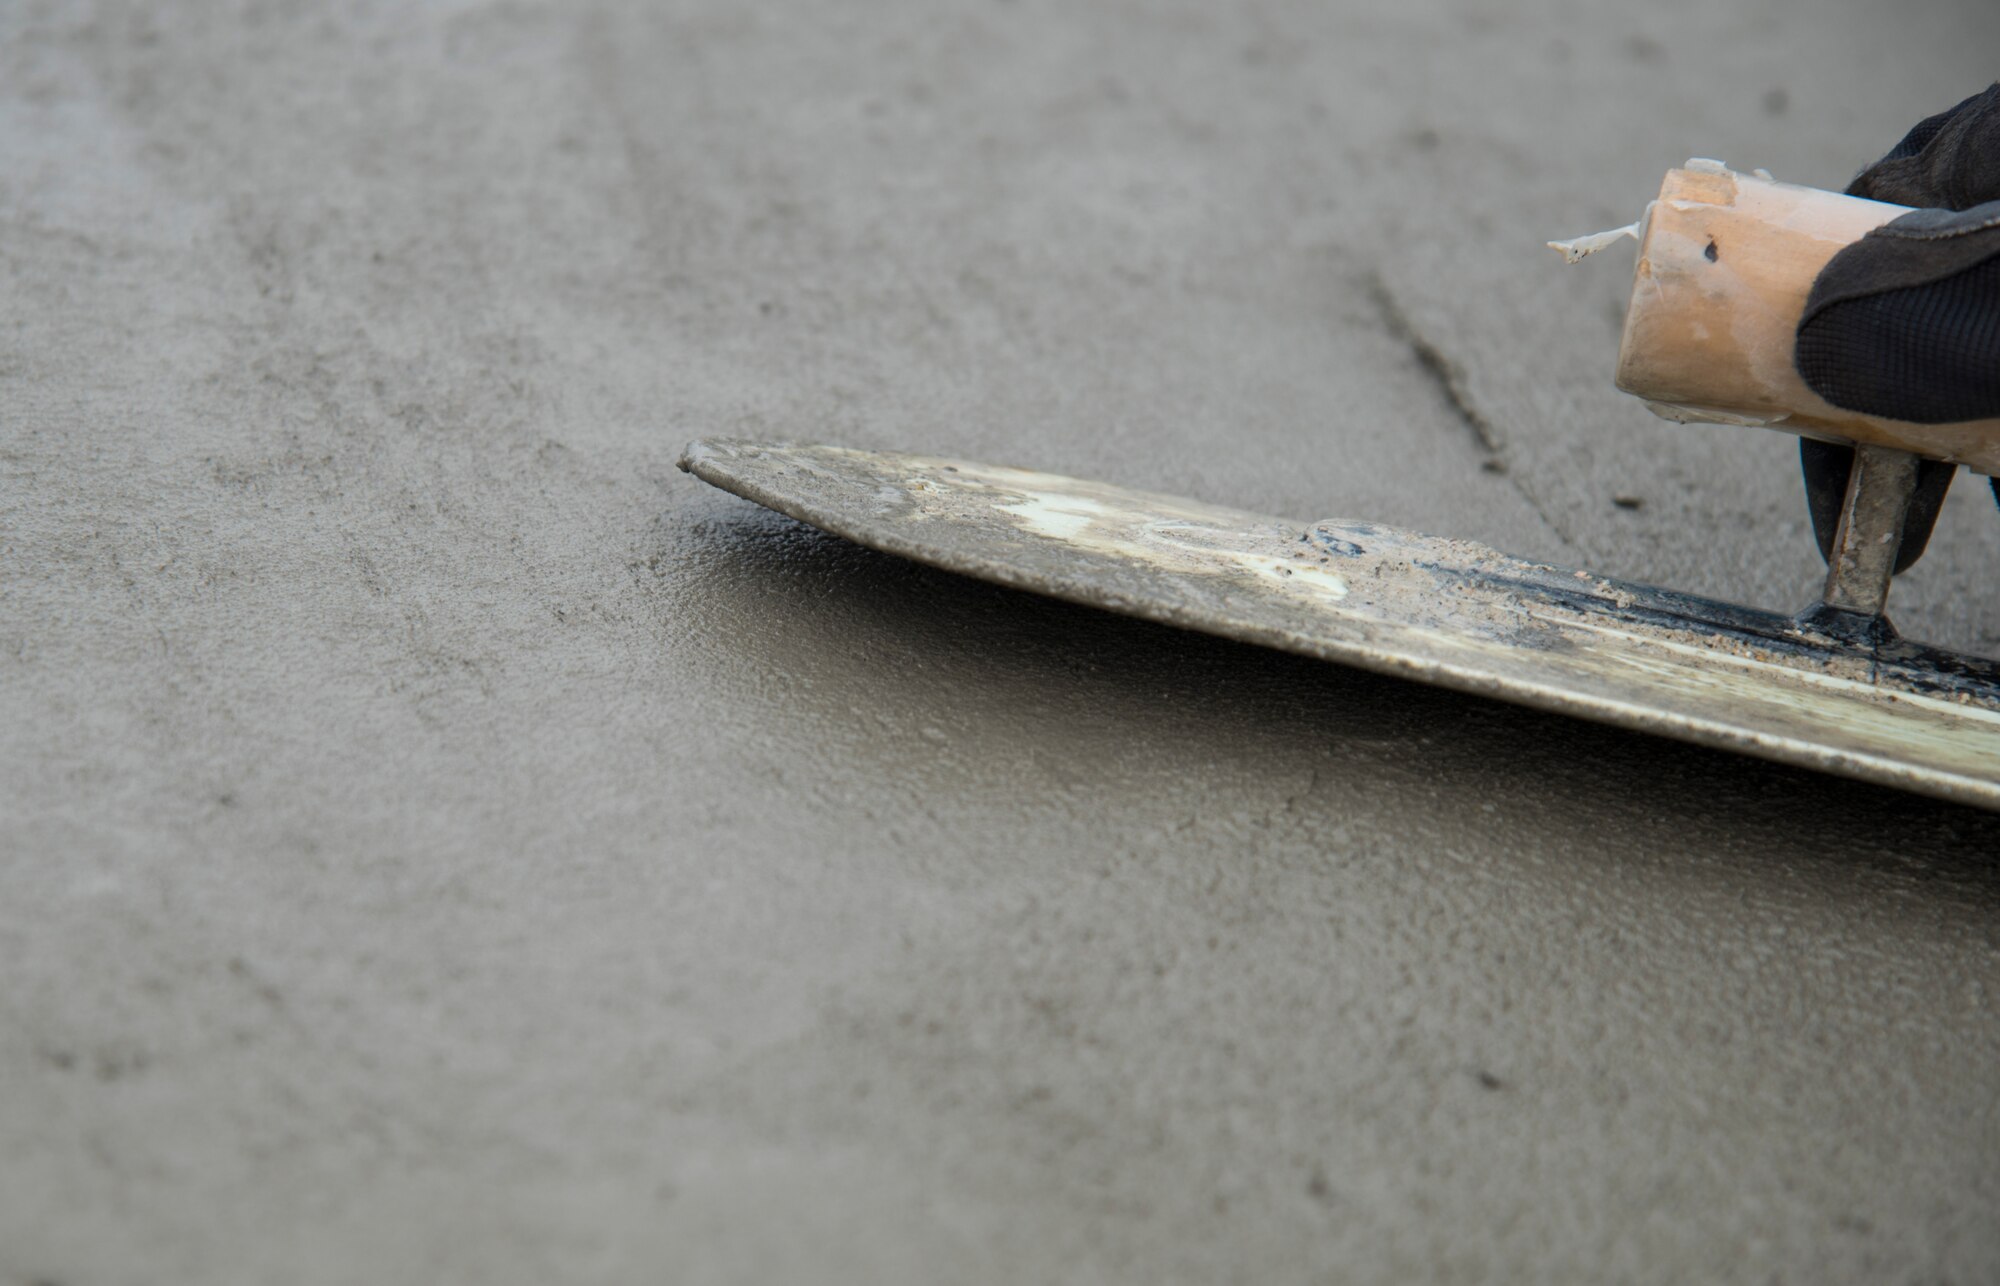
<point x="1905" y="323"/>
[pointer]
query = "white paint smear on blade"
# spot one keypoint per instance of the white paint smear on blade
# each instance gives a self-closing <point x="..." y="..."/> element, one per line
<point x="1059" y="517"/>
<point x="1172" y="544"/>
<point x="1325" y="582"/>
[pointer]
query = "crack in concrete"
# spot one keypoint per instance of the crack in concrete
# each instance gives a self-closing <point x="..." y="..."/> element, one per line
<point x="1443" y="372"/>
<point x="1450" y="381"/>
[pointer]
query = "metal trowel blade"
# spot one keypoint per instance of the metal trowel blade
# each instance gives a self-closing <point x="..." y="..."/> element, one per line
<point x="1442" y="611"/>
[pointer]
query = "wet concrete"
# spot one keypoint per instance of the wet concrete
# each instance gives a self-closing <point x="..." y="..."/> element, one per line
<point x="442" y="842"/>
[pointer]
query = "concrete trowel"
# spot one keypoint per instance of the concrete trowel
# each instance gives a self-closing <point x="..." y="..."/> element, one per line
<point x="1725" y="263"/>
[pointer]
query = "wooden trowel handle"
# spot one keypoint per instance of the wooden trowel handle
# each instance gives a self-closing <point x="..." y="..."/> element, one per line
<point x="1726" y="261"/>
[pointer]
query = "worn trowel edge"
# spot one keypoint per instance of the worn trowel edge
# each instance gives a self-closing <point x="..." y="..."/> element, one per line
<point x="773" y="474"/>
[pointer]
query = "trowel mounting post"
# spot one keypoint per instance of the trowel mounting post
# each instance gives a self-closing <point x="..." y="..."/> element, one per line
<point x="1863" y="558"/>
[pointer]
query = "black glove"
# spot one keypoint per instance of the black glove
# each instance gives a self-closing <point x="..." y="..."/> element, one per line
<point x="1905" y="323"/>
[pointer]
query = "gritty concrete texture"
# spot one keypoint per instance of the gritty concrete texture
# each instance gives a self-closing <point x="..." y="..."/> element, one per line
<point x="443" y="843"/>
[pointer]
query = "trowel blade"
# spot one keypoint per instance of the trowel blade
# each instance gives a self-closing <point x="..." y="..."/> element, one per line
<point x="1449" y="612"/>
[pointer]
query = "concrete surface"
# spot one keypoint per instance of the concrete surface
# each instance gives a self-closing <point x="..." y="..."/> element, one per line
<point x="443" y="843"/>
